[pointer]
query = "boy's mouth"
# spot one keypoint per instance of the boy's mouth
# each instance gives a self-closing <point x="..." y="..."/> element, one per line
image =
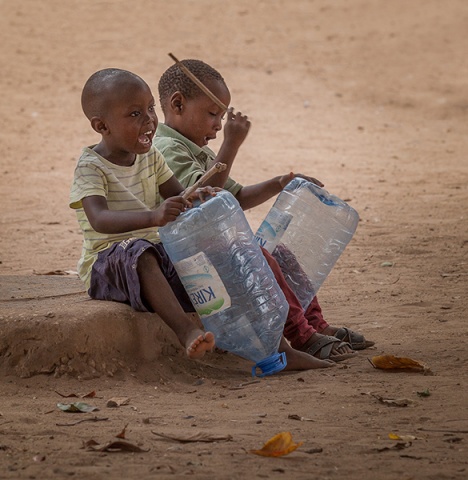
<point x="145" y="138"/>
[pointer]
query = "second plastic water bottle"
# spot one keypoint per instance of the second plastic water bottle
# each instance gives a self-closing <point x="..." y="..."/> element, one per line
<point x="228" y="280"/>
<point x="307" y="230"/>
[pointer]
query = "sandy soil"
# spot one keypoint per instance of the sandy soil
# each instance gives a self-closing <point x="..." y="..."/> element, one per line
<point x="371" y="97"/>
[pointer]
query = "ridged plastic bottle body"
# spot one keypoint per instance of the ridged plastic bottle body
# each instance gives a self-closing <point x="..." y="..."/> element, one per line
<point x="227" y="277"/>
<point x="307" y="230"/>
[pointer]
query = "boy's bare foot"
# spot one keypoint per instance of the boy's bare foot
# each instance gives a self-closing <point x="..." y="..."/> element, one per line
<point x="202" y="343"/>
<point x="297" y="360"/>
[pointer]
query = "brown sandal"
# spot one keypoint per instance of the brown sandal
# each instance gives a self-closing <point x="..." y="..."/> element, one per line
<point x="355" y="339"/>
<point x="323" y="347"/>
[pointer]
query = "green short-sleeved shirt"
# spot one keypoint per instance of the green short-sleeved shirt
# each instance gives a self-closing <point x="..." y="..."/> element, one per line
<point x="134" y="188"/>
<point x="187" y="160"/>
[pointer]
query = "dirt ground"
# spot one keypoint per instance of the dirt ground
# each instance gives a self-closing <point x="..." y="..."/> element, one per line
<point x="369" y="96"/>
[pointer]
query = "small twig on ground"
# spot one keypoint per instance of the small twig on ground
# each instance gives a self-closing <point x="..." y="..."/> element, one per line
<point x="242" y="385"/>
<point x="387" y="283"/>
<point x="441" y="430"/>
<point x="94" y="419"/>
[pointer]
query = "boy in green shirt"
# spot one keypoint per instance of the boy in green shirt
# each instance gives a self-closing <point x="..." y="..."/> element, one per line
<point x="191" y="120"/>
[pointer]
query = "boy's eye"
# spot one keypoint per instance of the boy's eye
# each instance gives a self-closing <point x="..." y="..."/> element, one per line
<point x="151" y="108"/>
<point x="135" y="114"/>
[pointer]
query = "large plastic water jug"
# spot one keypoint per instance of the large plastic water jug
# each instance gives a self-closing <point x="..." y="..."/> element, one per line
<point x="229" y="281"/>
<point x="307" y="230"/>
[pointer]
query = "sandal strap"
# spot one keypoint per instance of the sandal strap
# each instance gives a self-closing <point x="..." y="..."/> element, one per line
<point x="324" y="345"/>
<point x="347" y="335"/>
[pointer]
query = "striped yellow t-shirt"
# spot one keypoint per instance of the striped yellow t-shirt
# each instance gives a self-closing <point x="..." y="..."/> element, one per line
<point x="134" y="189"/>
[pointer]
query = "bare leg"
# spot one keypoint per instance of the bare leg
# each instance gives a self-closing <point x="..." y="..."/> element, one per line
<point x="163" y="301"/>
<point x="298" y="360"/>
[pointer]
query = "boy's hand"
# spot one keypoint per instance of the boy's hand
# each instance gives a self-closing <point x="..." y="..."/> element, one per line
<point x="169" y="210"/>
<point x="285" y="179"/>
<point x="236" y="128"/>
<point x="203" y="193"/>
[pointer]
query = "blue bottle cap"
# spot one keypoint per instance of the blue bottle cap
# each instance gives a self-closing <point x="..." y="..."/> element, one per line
<point x="270" y="365"/>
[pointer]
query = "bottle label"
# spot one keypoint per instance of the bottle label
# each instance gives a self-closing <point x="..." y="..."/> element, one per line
<point x="203" y="285"/>
<point x="272" y="229"/>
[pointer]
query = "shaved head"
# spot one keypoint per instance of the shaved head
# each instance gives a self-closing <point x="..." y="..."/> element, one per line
<point x="102" y="86"/>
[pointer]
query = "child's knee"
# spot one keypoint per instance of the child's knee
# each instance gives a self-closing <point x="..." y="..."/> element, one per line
<point x="147" y="263"/>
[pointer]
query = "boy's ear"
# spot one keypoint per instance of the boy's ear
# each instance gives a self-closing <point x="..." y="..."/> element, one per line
<point x="99" y="125"/>
<point x="177" y="103"/>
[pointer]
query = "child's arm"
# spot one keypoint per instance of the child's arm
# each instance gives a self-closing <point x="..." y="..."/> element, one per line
<point x="108" y="221"/>
<point x="236" y="129"/>
<point x="253" y="195"/>
<point x="104" y="220"/>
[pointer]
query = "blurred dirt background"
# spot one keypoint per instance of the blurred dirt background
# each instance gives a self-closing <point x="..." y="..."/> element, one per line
<point x="369" y="96"/>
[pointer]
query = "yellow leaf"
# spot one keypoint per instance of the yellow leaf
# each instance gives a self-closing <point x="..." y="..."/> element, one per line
<point x="279" y="445"/>
<point x="390" y="362"/>
<point x="404" y="438"/>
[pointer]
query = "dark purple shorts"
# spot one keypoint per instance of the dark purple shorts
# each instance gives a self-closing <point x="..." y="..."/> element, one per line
<point x="114" y="275"/>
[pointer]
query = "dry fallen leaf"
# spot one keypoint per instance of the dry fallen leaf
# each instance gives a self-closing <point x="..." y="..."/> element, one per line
<point x="90" y="394"/>
<point x="394" y="402"/>
<point x="293" y="416"/>
<point x="390" y="362"/>
<point x="402" y="438"/>
<point x="70" y="395"/>
<point x="396" y="446"/>
<point x="279" y="445"/>
<point x="117" y="402"/>
<point x="116" y="446"/>
<point x="424" y="393"/>
<point x="76" y="407"/>
<point x="90" y="443"/>
<point x="122" y="433"/>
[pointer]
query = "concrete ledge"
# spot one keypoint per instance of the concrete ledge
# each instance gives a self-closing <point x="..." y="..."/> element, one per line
<point x="49" y="325"/>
